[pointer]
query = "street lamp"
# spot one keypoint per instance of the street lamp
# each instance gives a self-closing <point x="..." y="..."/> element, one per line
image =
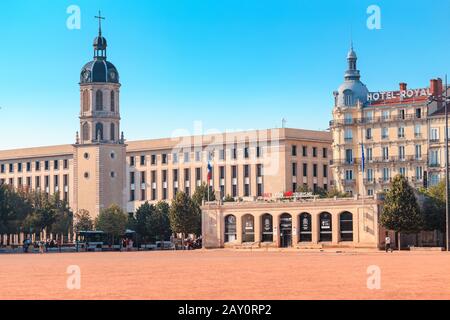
<point x="446" y="100"/>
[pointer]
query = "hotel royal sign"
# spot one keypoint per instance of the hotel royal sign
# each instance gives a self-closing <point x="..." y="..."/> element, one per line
<point x="402" y="94"/>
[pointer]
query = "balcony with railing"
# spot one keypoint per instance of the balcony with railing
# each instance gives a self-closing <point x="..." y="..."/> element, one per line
<point x="376" y="120"/>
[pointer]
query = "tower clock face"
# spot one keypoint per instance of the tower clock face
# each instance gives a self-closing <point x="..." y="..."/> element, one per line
<point x="112" y="75"/>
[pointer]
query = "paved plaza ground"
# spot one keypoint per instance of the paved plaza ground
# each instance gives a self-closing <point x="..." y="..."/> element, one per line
<point x="226" y="274"/>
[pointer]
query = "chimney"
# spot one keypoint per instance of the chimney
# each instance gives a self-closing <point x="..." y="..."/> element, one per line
<point x="403" y="86"/>
<point x="436" y="87"/>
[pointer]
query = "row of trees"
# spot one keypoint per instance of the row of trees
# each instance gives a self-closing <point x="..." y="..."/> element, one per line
<point x="322" y="193"/>
<point x="402" y="213"/>
<point x="32" y="212"/>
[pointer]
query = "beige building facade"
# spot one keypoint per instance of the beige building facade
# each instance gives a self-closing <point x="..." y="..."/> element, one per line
<point x="101" y="168"/>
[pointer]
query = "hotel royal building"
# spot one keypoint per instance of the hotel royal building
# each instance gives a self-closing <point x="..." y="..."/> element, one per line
<point x="101" y="168"/>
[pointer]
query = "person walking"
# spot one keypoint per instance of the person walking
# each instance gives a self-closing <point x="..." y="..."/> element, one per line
<point x="387" y="243"/>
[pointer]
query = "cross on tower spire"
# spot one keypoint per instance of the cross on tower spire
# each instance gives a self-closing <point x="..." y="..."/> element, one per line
<point x="100" y="18"/>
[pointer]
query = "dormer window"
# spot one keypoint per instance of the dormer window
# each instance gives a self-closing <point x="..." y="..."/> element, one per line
<point x="348" y="98"/>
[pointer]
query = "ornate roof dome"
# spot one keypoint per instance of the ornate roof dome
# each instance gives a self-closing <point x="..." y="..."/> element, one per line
<point x="352" y="90"/>
<point x="99" y="70"/>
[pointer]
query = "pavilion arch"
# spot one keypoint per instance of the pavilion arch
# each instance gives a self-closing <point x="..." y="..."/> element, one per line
<point x="285" y="230"/>
<point x="305" y="227"/>
<point x="266" y="227"/>
<point x="325" y="227"/>
<point x="346" y="226"/>
<point x="248" y="228"/>
<point x="230" y="228"/>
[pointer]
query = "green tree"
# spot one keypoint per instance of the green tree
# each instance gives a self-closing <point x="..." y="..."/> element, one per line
<point x="83" y="221"/>
<point x="201" y="193"/>
<point x="303" y="188"/>
<point x="159" y="224"/>
<point x="401" y="213"/>
<point x="112" y="221"/>
<point x="334" y="192"/>
<point x="15" y="206"/>
<point x="142" y="218"/>
<point x="434" y="207"/>
<point x="183" y="214"/>
<point x="43" y="215"/>
<point x="228" y="198"/>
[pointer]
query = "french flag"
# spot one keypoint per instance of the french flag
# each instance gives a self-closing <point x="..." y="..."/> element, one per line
<point x="209" y="172"/>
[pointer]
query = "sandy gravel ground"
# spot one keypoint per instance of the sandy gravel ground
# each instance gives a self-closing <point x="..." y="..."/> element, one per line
<point x="226" y="274"/>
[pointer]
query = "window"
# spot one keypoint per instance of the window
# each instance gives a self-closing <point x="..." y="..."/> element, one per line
<point x="85" y="132"/>
<point x="221" y="172"/>
<point x="402" y="171"/>
<point x="348" y="98"/>
<point x="369" y="133"/>
<point x="434" y="157"/>
<point x="385" y="153"/>
<point x="305" y="227"/>
<point x="434" y="179"/>
<point x="369" y="116"/>
<point x="131" y="177"/>
<point x="349" y="175"/>
<point x="305" y="169"/>
<point x="55" y="164"/>
<point x="142" y="160"/>
<point x="113" y="103"/>
<point x="11" y="167"/>
<point x="418" y="113"/>
<point x="198" y="174"/>
<point x="294" y="151"/>
<point x="386" y="174"/>
<point x="305" y="151"/>
<point x="153" y="159"/>
<point x="222" y="154"/>
<point x="164" y="158"/>
<point x="267" y="228"/>
<point x="314" y="170"/>
<point x="325" y="227"/>
<point x="346" y="226"/>
<point x="46" y="165"/>
<point x="348" y="134"/>
<point x="370" y="175"/>
<point x="198" y="156"/>
<point x="348" y="119"/>
<point x="368" y="154"/>
<point x="248" y="228"/>
<point x="294" y="169"/>
<point x="349" y="156"/>
<point x="417" y="130"/>
<point x="419" y="173"/>
<point x="384" y="133"/>
<point x="187" y="157"/>
<point x="86" y="102"/>
<point x="434" y="134"/>
<point x="324" y="152"/>
<point x="37" y="166"/>
<point x="234" y="172"/>
<point x="132" y="161"/>
<point x="19" y="167"/>
<point x="2" y="168"/>
<point x="401" y="114"/>
<point x="234" y="153"/>
<point x="174" y="157"/>
<point x="112" y="132"/>
<point x="65" y="164"/>
<point x="258" y="151"/>
<point x="401" y="132"/>
<point x="246" y="153"/>
<point x="401" y="153"/>
<point x="314" y="152"/>
<point x="175" y="175"/>
<point x="98" y="100"/>
<point x="230" y="228"/>
<point x="325" y="171"/>
<point x="259" y="172"/>
<point x="385" y="115"/>
<point x="246" y="171"/>
<point x="418" y="152"/>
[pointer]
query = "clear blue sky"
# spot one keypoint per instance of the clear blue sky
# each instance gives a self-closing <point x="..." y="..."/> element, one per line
<point x="232" y="64"/>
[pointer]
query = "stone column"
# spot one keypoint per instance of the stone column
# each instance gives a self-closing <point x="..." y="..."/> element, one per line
<point x="335" y="227"/>
<point x="315" y="228"/>
<point x="295" y="230"/>
<point x="239" y="228"/>
<point x="257" y="228"/>
<point x="276" y="229"/>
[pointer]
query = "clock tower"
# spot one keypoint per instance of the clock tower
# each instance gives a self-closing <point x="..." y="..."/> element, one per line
<point x="99" y="150"/>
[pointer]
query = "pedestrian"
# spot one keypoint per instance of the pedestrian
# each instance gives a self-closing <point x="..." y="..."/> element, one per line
<point x="41" y="246"/>
<point x="387" y="243"/>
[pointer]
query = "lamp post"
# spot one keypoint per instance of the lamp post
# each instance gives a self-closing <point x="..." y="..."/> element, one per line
<point x="446" y="99"/>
